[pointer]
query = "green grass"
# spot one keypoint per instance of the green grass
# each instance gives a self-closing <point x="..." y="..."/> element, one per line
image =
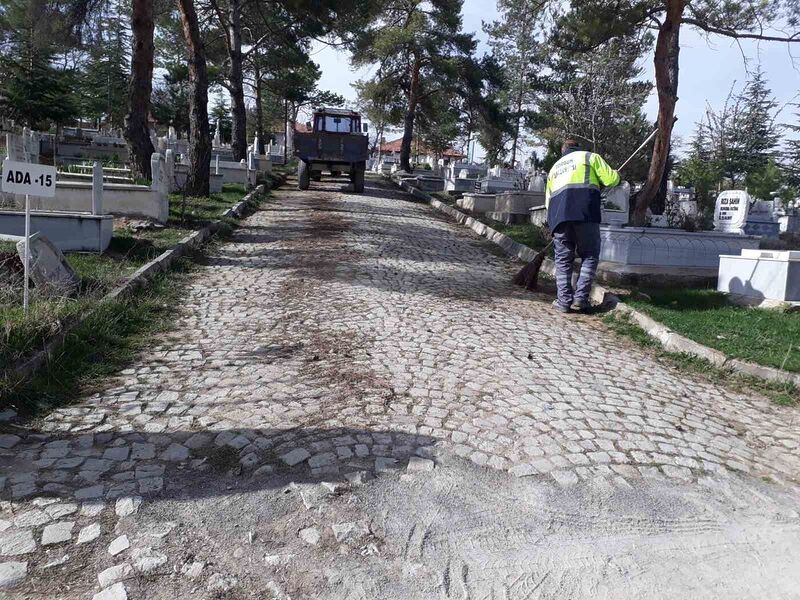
<point x="783" y="394"/>
<point x="767" y="337"/>
<point x="107" y="341"/>
<point x="196" y="212"/>
<point x="528" y="234"/>
<point x="20" y="335"/>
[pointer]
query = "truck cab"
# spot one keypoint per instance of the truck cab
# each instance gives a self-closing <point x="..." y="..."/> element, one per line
<point x="336" y="144"/>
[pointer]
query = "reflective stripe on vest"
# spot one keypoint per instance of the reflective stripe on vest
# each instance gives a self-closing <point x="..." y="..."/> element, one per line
<point x="587" y="176"/>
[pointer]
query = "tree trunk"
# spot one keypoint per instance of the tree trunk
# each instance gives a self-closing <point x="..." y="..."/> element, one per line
<point x="408" y="121"/>
<point x="137" y="131"/>
<point x="517" y="117"/>
<point x="259" y="110"/>
<point x="666" y="64"/>
<point x="285" y="132"/>
<point x="293" y="114"/>
<point x="199" y="132"/>
<point x="236" y="83"/>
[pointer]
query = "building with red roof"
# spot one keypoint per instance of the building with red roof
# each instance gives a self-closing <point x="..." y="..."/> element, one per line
<point x="419" y="152"/>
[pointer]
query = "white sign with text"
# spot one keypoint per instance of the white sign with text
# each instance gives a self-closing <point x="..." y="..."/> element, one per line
<point x="30" y="179"/>
<point x="731" y="211"/>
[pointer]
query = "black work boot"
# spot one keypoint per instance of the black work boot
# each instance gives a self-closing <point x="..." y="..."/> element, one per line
<point x="560" y="307"/>
<point x="585" y="308"/>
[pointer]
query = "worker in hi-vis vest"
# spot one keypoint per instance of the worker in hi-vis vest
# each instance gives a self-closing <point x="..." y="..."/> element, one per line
<point x="572" y="197"/>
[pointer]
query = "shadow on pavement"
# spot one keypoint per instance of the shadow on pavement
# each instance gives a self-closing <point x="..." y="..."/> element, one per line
<point x="192" y="464"/>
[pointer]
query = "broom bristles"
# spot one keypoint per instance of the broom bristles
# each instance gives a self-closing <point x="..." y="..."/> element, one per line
<point x="528" y="276"/>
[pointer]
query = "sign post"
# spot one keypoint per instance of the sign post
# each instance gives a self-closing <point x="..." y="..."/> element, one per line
<point x="31" y="180"/>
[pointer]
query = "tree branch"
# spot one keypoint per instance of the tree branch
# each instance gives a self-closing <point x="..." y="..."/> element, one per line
<point x="732" y="33"/>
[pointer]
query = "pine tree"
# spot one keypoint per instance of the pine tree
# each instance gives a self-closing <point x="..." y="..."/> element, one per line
<point x="791" y="165"/>
<point x="246" y="26"/>
<point x="700" y="170"/>
<point x="585" y="24"/>
<point x="598" y="97"/>
<point x="476" y="102"/>
<point x="760" y="134"/>
<point x="220" y="116"/>
<point x="140" y="88"/>
<point x="32" y="89"/>
<point x="380" y="104"/>
<point x="418" y="47"/>
<point x="170" y="99"/>
<point x="104" y="76"/>
<point x="743" y="134"/>
<point x="516" y="46"/>
<point x="197" y="181"/>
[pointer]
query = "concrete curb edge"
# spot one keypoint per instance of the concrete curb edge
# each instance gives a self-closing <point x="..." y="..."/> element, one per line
<point x="671" y="341"/>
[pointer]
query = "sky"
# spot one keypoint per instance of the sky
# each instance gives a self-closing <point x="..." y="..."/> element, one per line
<point x="708" y="69"/>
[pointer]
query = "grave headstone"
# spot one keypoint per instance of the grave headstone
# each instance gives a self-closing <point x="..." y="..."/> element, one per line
<point x="217" y="137"/>
<point x="157" y="171"/>
<point x="762" y="219"/>
<point x="538" y="183"/>
<point x="97" y="188"/>
<point x="689" y="208"/>
<point x="15" y="148"/>
<point x="731" y="211"/>
<point x="49" y="270"/>
<point x="616" y="204"/>
<point x="169" y="170"/>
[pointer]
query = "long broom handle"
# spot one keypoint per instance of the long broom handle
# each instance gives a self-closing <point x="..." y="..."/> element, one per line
<point x="639" y="149"/>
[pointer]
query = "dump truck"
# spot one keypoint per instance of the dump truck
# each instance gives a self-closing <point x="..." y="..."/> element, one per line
<point x="337" y="144"/>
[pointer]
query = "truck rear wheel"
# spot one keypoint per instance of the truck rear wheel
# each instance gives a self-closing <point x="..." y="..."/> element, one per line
<point x="358" y="180"/>
<point x="303" y="175"/>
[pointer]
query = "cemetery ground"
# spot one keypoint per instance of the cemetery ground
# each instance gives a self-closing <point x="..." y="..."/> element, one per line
<point x="353" y="401"/>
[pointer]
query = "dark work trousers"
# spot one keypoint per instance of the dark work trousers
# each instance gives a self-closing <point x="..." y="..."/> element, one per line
<point x="570" y="239"/>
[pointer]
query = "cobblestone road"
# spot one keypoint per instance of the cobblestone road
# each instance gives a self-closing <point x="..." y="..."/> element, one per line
<point x="336" y="336"/>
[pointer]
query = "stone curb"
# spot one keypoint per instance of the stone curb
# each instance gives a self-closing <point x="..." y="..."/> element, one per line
<point x="671" y="341"/>
<point x="138" y="279"/>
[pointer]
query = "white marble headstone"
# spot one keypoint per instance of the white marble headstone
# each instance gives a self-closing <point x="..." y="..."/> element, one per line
<point x="730" y="213"/>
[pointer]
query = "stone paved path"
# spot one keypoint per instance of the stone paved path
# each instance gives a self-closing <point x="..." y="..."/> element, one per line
<point x="337" y="336"/>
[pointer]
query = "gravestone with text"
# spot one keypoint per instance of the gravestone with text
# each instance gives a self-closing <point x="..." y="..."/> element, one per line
<point x="731" y="211"/>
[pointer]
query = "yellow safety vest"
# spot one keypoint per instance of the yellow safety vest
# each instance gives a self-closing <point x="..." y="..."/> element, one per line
<point x="573" y="188"/>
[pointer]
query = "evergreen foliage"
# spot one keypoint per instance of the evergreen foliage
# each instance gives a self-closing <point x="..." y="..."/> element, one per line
<point x="418" y="48"/>
<point x="736" y="146"/>
<point x="598" y="98"/>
